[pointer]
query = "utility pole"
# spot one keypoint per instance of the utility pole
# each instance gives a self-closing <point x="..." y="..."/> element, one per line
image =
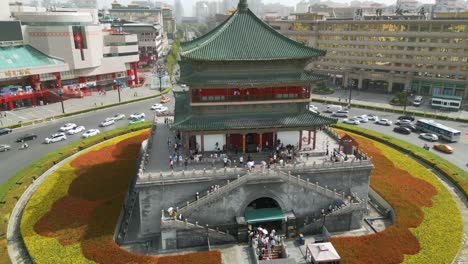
<point x="60" y="93"/>
<point x="350" y="86"/>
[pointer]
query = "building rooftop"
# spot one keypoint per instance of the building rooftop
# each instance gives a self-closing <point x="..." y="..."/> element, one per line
<point x="243" y="36"/>
<point x="17" y="57"/>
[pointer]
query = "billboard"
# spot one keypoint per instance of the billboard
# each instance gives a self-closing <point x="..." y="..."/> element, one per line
<point x="11" y="31"/>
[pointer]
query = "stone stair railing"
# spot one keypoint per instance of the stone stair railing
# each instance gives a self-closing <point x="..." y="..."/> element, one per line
<point x="257" y="175"/>
<point x="151" y="178"/>
<point x="216" y="234"/>
<point x="127" y="215"/>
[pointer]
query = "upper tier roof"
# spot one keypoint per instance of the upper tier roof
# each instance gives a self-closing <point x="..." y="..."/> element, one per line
<point x="243" y="36"/>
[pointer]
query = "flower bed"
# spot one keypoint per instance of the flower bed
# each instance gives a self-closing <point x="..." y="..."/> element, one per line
<point x="73" y="214"/>
<point x="421" y="203"/>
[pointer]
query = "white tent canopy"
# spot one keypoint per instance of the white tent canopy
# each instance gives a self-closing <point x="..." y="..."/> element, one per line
<point x="322" y="253"/>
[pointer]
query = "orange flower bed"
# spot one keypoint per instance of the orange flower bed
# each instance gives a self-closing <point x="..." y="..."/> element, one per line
<point x="407" y="195"/>
<point x="89" y="213"/>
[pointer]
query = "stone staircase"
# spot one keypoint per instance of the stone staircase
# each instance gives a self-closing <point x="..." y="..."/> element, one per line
<point x="258" y="175"/>
<point x="214" y="234"/>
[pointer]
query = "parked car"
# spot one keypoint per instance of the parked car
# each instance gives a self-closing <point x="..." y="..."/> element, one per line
<point x="137" y="116"/>
<point x="429" y="136"/>
<point x="372" y="117"/>
<point x="26" y="137"/>
<point x="4" y="148"/>
<point x="68" y="126"/>
<point x="362" y="118"/>
<point x="341" y="113"/>
<point x="107" y="122"/>
<point x="418" y="100"/>
<point x="402" y="130"/>
<point x="136" y="121"/>
<point x="406" y="117"/>
<point x="76" y="130"/>
<point x="165" y="99"/>
<point x="352" y="121"/>
<point x="6" y="130"/>
<point x="444" y="148"/>
<point x="384" y="122"/>
<point x="410" y="127"/>
<point x="118" y="117"/>
<point x="156" y="106"/>
<point x="90" y="133"/>
<point x="161" y="109"/>
<point x="55" y="138"/>
<point x="403" y="121"/>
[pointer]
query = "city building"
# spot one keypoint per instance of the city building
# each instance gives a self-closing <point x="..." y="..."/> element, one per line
<point x="135" y="12"/>
<point x="178" y="11"/>
<point x="201" y="11"/>
<point x="302" y="7"/>
<point x="410" y="6"/>
<point x="450" y="6"/>
<point x="427" y="56"/>
<point x="169" y="21"/>
<point x="247" y="99"/>
<point x="68" y="50"/>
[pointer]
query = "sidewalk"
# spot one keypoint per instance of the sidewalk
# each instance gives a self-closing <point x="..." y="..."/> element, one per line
<point x="381" y="100"/>
<point x="74" y="105"/>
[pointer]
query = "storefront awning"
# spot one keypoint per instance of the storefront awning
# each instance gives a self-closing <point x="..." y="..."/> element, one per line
<point x="264" y="215"/>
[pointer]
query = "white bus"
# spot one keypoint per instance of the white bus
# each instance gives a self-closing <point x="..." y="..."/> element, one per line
<point x="440" y="130"/>
<point x="444" y="102"/>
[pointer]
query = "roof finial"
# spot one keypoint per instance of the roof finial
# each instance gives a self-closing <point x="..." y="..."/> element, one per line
<point x="242" y="5"/>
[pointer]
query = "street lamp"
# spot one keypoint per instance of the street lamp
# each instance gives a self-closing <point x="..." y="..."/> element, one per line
<point x="118" y="88"/>
<point x="60" y="93"/>
<point x="324" y="216"/>
<point x="160" y="76"/>
<point x="350" y="85"/>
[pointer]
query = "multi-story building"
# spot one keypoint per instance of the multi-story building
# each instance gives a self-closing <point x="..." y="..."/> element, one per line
<point x="169" y="22"/>
<point x="410" y="6"/>
<point x="135" y="12"/>
<point x="450" y="6"/>
<point x="430" y="56"/>
<point x="150" y="42"/>
<point x="67" y="50"/>
<point x="179" y="10"/>
<point x="201" y="11"/>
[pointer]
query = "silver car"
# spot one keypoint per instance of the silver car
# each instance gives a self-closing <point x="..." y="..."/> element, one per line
<point x="429" y="136"/>
<point x="4" y="148"/>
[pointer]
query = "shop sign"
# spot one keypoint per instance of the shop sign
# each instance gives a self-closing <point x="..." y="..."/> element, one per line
<point x="16" y="73"/>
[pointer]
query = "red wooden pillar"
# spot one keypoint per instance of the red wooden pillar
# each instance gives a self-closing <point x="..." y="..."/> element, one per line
<point x="300" y="140"/>
<point x="308" y="142"/>
<point x="98" y="78"/>
<point x="34" y="101"/>
<point x="315" y="138"/>
<point x="243" y="143"/>
<point x="114" y="86"/>
<point x="135" y="73"/>
<point x="58" y="79"/>
<point x="202" y="147"/>
<point x="82" y="79"/>
<point x="129" y="74"/>
<point x="10" y="105"/>
<point x="261" y="140"/>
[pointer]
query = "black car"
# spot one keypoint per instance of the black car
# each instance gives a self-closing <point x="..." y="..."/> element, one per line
<point x="410" y="127"/>
<point x="26" y="137"/>
<point x="402" y="130"/>
<point x="6" y="130"/>
<point x="406" y="117"/>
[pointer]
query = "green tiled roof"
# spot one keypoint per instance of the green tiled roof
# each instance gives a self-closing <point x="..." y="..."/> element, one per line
<point x="17" y="57"/>
<point x="263" y="215"/>
<point x="282" y="78"/>
<point x="185" y="121"/>
<point x="244" y="36"/>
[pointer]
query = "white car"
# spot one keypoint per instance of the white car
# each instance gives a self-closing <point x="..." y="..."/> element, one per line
<point x="107" y="122"/>
<point x="118" y="117"/>
<point x="403" y="122"/>
<point x="90" y="133"/>
<point x="429" y="136"/>
<point x="384" y="122"/>
<point x="352" y="121"/>
<point x="137" y="116"/>
<point x="362" y="119"/>
<point x="313" y="108"/>
<point x="68" y="126"/>
<point x="341" y="113"/>
<point x="372" y="117"/>
<point x="161" y="109"/>
<point x="76" y="130"/>
<point x="55" y="138"/>
<point x="156" y="106"/>
<point x="4" y="147"/>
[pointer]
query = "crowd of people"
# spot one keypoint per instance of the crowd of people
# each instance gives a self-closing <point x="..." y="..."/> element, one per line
<point x="267" y="244"/>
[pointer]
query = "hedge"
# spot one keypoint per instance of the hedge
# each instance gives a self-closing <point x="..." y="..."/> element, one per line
<point x="33" y="122"/>
<point x="452" y="172"/>
<point x="393" y="110"/>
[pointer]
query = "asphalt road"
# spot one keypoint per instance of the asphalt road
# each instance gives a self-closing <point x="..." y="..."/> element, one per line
<point x="14" y="160"/>
<point x="459" y="157"/>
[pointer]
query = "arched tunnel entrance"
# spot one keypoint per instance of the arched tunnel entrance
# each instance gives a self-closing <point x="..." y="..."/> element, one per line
<point x="265" y="212"/>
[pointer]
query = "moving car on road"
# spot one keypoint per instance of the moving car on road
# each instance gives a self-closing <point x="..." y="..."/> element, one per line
<point x="341" y="113"/>
<point x="4" y="148"/>
<point x="137" y="116"/>
<point x="161" y="109"/>
<point x="90" y="133"/>
<point x="402" y="130"/>
<point x="372" y="117"/>
<point x="6" y="130"/>
<point x="444" y="148"/>
<point x="362" y="118"/>
<point x="26" y="137"/>
<point x="429" y="136"/>
<point x="410" y="127"/>
<point x="384" y="122"/>
<point x="352" y="121"/>
<point x="55" y="138"/>
<point x="403" y="121"/>
<point x="165" y="99"/>
<point x="156" y="106"/>
<point x="136" y="121"/>
<point x="333" y="108"/>
<point x="68" y="126"/>
<point x="118" y="117"/>
<point x="76" y="130"/>
<point x="107" y="122"/>
<point x="406" y="117"/>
